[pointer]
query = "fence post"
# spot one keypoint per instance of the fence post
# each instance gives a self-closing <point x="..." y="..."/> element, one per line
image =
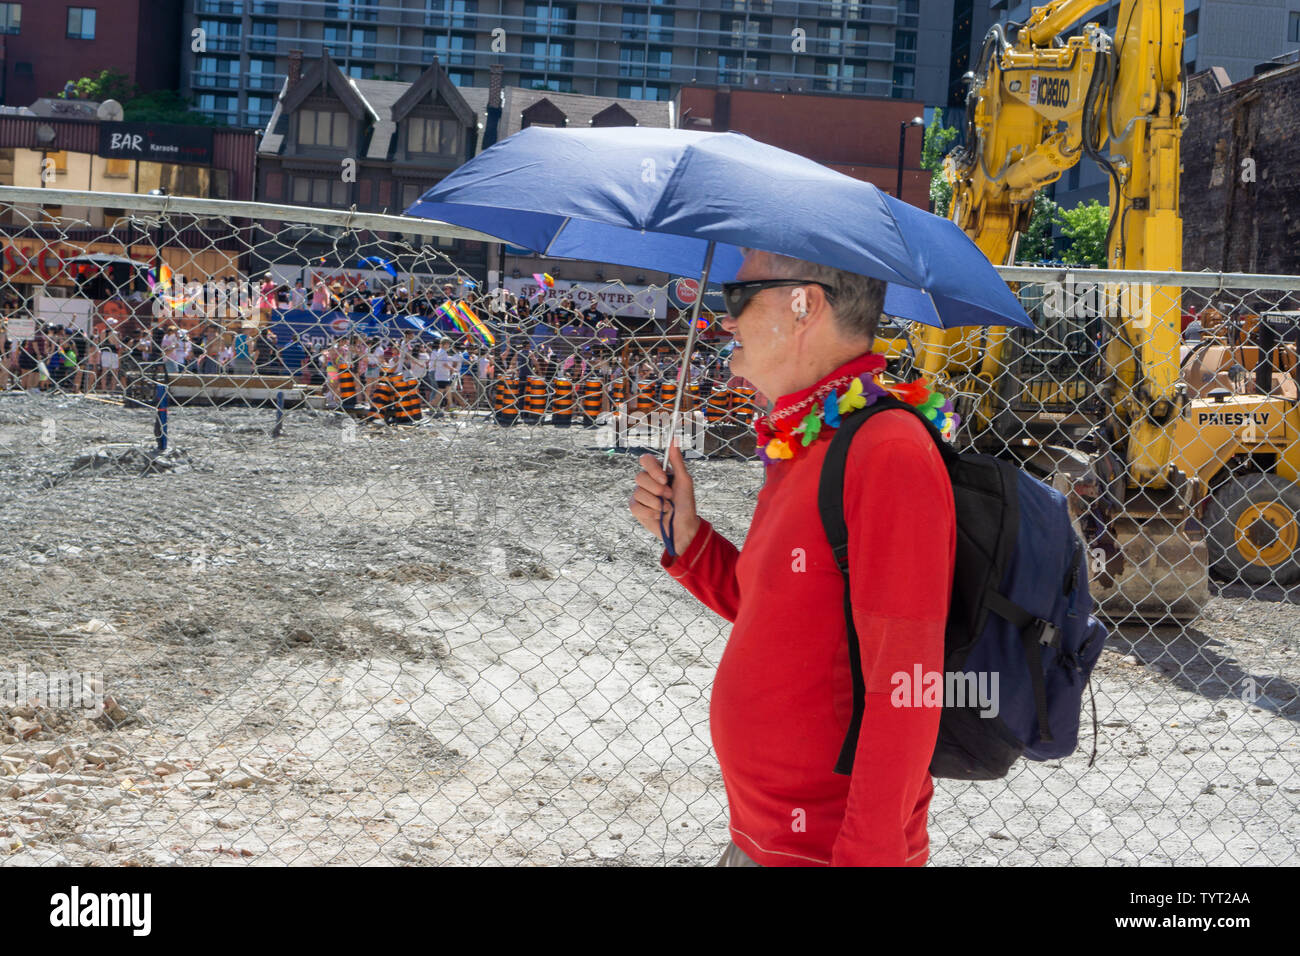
<point x="279" y="414"/>
<point x="161" y="399"/>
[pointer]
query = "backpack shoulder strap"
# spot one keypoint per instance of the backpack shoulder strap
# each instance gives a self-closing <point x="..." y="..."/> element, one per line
<point x="830" y="504"/>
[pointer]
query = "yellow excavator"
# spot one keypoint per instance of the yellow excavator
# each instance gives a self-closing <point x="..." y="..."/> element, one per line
<point x="1095" y="401"/>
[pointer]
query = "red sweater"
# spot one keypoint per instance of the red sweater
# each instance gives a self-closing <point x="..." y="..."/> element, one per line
<point x="782" y="697"/>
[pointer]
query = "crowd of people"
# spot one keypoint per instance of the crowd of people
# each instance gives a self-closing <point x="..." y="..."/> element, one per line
<point x="547" y="338"/>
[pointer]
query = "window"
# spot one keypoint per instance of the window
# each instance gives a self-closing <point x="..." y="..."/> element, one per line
<point x="223" y="35"/>
<point x="451" y="13"/>
<point x="656" y="62"/>
<point x="11" y="18"/>
<point x="322" y="128"/>
<point x="546" y="55"/>
<point x="905" y="47"/>
<point x="461" y="77"/>
<point x="319" y="192"/>
<point x="220" y="107"/>
<point x="117" y="168"/>
<point x="541" y="18"/>
<point x="631" y="20"/>
<point x="437" y="136"/>
<point x="59" y="158"/>
<point x="555" y="84"/>
<point x="262" y="36"/>
<point x="1292" y="32"/>
<point x="361" y="71"/>
<point x="261" y="74"/>
<point x="214" y="72"/>
<point x="739" y="32"/>
<point x="351" y="10"/>
<point x="81" y="23"/>
<point x="732" y="67"/>
<point x="452" y="49"/>
<point x="904" y="82"/>
<point x="650" y="91"/>
<point x="259" y="109"/>
<point x="661" y="27"/>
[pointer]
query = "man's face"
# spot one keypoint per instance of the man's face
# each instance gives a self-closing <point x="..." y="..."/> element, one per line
<point x="764" y="331"/>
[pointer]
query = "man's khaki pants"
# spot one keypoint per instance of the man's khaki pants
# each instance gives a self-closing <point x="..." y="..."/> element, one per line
<point x="735" y="856"/>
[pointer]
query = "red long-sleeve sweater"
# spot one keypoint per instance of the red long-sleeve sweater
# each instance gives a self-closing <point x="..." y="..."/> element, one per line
<point x="782" y="697"/>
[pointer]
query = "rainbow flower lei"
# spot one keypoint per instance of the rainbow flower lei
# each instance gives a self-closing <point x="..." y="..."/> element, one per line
<point x="779" y="440"/>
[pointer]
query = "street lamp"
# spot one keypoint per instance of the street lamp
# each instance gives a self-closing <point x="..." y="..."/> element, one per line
<point x="902" y="142"/>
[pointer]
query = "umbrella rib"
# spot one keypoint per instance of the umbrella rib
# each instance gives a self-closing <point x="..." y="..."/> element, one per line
<point x="547" y="250"/>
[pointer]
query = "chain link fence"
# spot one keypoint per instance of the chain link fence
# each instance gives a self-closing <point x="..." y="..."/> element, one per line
<point x="291" y="582"/>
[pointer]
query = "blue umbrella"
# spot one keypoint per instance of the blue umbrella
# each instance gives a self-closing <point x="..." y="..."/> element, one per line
<point x="659" y="199"/>
<point x="683" y="202"/>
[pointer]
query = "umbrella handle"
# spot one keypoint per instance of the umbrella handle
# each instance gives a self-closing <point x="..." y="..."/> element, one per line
<point x="667" y="532"/>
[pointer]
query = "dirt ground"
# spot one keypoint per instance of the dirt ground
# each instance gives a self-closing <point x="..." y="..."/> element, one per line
<point x="453" y="644"/>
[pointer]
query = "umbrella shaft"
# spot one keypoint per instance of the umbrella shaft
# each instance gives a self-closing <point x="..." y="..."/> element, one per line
<point x="686" y="352"/>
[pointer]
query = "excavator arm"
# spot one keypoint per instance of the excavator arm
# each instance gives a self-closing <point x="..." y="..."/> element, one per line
<point x="1036" y="106"/>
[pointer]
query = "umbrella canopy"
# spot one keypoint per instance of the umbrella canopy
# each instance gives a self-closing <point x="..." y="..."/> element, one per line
<point x="659" y="199"/>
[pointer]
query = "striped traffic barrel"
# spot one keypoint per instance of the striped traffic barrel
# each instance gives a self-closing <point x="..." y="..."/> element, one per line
<point x="618" y="392"/>
<point x="593" y="400"/>
<point x="505" y="400"/>
<point x="562" y="403"/>
<point x="534" y="399"/>
<point x="717" y="406"/>
<point x="667" y="394"/>
<point x="645" y="396"/>
<point x="743" y="406"/>
<point x="692" y="397"/>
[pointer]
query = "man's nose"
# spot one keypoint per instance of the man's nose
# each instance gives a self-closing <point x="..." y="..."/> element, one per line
<point x="729" y="324"/>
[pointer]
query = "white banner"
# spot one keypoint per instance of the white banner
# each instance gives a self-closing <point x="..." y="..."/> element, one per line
<point x="612" y="298"/>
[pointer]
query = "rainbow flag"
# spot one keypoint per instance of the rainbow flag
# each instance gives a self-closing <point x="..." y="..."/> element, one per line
<point x="480" y="331"/>
<point x="448" y="310"/>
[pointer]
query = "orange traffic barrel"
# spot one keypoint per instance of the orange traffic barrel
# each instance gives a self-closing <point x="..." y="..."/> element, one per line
<point x="562" y="403"/>
<point x="505" y="400"/>
<point x="692" y="397"/>
<point x="645" y="396"/>
<point x="534" y="399"/>
<point x="717" y="406"/>
<point x="593" y="400"/>
<point x="743" y="406"/>
<point x="667" y="395"/>
<point x="618" y="392"/>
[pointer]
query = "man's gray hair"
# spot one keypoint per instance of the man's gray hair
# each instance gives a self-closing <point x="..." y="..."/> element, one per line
<point x="858" y="299"/>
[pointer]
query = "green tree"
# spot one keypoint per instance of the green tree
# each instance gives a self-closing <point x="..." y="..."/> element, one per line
<point x="934" y="147"/>
<point x="165" y="106"/>
<point x="158" y="106"/>
<point x="1036" y="242"/>
<point x="1084" y="227"/>
<point x="107" y="84"/>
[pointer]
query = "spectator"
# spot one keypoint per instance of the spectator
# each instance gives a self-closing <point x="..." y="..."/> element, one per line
<point x="173" y="350"/>
<point x="298" y="296"/>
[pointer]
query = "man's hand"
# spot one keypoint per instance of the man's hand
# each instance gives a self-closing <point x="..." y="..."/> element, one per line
<point x="653" y="494"/>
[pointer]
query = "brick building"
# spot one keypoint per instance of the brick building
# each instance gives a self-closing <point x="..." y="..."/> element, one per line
<point x="1240" y="194"/>
<point x="45" y="45"/>
<point x="856" y="136"/>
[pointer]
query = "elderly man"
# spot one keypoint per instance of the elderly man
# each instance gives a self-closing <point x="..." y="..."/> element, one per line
<point x="782" y="697"/>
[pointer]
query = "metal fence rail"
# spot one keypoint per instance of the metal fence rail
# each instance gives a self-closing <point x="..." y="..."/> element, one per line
<point x="313" y="629"/>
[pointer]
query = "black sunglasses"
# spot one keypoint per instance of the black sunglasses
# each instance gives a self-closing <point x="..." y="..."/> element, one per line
<point x="736" y="295"/>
